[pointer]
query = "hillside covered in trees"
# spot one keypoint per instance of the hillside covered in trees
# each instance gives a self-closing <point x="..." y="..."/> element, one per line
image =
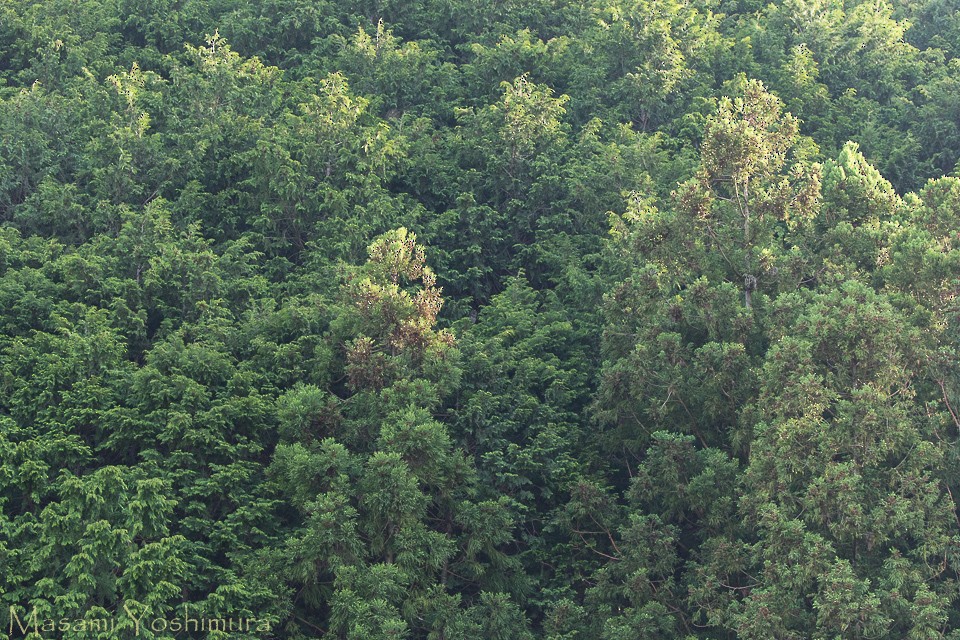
<point x="480" y="319"/>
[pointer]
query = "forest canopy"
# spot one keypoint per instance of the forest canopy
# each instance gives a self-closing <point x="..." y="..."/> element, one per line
<point x="458" y="320"/>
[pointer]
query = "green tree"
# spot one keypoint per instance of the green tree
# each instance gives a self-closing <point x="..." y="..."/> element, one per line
<point x="411" y="522"/>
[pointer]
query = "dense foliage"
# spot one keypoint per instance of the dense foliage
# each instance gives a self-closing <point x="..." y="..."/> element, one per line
<point x="458" y="319"/>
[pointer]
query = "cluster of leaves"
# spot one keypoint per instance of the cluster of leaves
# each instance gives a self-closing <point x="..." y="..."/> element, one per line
<point x="450" y="320"/>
